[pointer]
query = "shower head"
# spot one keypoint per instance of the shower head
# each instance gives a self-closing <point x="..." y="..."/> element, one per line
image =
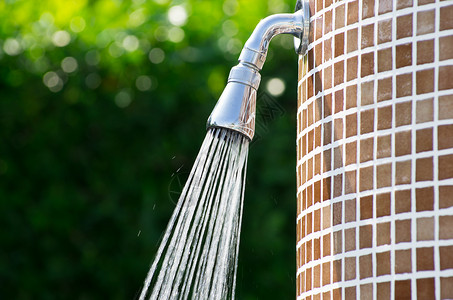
<point x="235" y="109"/>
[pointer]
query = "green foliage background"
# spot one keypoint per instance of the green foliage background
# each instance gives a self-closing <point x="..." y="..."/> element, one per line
<point x="91" y="159"/>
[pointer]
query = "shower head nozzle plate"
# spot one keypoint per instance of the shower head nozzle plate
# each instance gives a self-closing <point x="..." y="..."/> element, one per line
<point x="301" y="40"/>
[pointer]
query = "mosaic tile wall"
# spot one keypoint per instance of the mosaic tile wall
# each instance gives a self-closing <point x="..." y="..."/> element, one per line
<point x="375" y="151"/>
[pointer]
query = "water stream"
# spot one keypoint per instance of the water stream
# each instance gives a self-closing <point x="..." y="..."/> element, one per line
<point x="197" y="258"/>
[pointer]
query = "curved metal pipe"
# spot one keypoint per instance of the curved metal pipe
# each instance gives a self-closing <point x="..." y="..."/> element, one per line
<point x="235" y="109"/>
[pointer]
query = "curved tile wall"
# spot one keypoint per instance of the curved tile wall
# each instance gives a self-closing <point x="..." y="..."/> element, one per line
<point x="375" y="151"/>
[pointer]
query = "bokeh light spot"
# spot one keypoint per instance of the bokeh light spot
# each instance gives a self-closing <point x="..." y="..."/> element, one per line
<point x="53" y="81"/>
<point x="93" y="81"/>
<point x="229" y="28"/>
<point x="177" y="15"/>
<point x="131" y="43"/>
<point x="176" y="35"/>
<point x="12" y="47"/>
<point x="61" y="38"/>
<point x="156" y="55"/>
<point x="275" y="86"/>
<point x="69" y="64"/>
<point x="123" y="99"/>
<point x="92" y="57"/>
<point x="77" y="24"/>
<point x="143" y="83"/>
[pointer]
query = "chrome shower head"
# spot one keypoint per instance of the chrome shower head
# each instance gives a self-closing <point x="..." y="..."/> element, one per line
<point x="236" y="107"/>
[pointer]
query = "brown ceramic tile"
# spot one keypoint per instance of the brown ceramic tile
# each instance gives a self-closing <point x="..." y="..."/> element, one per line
<point x="400" y="4"/>
<point x="446" y="47"/>
<point x="351" y="72"/>
<point x="403" y="143"/>
<point x="403" y="55"/>
<point x="327" y="160"/>
<point x="351" y="96"/>
<point x="366" y="207"/>
<point x="404" y="26"/>
<point x="337" y="242"/>
<point x="337" y="215"/>
<point x="403" y="85"/>
<point x="445" y="167"/>
<point x="349" y="239"/>
<point x="339" y="16"/>
<point x="318" y="34"/>
<point x="338" y="185"/>
<point x="336" y="270"/>
<point x="339" y="101"/>
<point x="445" y="198"/>
<point x="318" y="110"/>
<point x="384" y="89"/>
<point x="385" y="6"/>
<point x="383" y="291"/>
<point x="403" y="113"/>
<point x="326" y="245"/>
<point x="402" y="231"/>
<point x="424" y="140"/>
<point x="424" y="169"/>
<point x="403" y="289"/>
<point x="350" y="182"/>
<point x="425" y="52"/>
<point x="384" y="146"/>
<point x="366" y="149"/>
<point x="367" y="121"/>
<point x="425" y="259"/>
<point x="446" y="287"/>
<point x="384" y="117"/>
<point x="425" y="81"/>
<point x="309" y="86"/>
<point x="445" y="227"/>
<point x="446" y="107"/>
<point x="350" y="293"/>
<point x="383" y="234"/>
<point x="446" y="257"/>
<point x="403" y="201"/>
<point x="316" y="249"/>
<point x="384" y="31"/>
<point x="403" y="262"/>
<point x="366" y="267"/>
<point x="385" y="60"/>
<point x="338" y="157"/>
<point x="318" y="83"/>
<point x="317" y="221"/>
<point x="338" y="74"/>
<point x="308" y="280"/>
<point x="352" y="39"/>
<point x="339" y="44"/>
<point x="319" y="5"/>
<point x="403" y="172"/>
<point x="317" y="139"/>
<point x="367" y="64"/>
<point x="383" y="205"/>
<point x="445" y="75"/>
<point x="349" y="268"/>
<point x="445" y="137"/>
<point x="325" y="273"/>
<point x="351" y="152"/>
<point x="309" y="225"/>
<point x="367" y="36"/>
<point x="425" y="229"/>
<point x="327" y="49"/>
<point x="425" y="111"/>
<point x="425" y="22"/>
<point x="384" y="175"/>
<point x="365" y="236"/>
<point x="383" y="264"/>
<point x="367" y="9"/>
<point x="367" y="94"/>
<point x="351" y="125"/>
<point x="350" y="210"/>
<point x="446" y="21"/>
<point x="327" y="21"/>
<point x="336" y="294"/>
<point x="327" y="106"/>
<point x="425" y="288"/>
<point x="353" y="12"/>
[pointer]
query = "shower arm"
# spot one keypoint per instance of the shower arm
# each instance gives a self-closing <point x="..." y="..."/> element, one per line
<point x="235" y="109"/>
<point x="255" y="49"/>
